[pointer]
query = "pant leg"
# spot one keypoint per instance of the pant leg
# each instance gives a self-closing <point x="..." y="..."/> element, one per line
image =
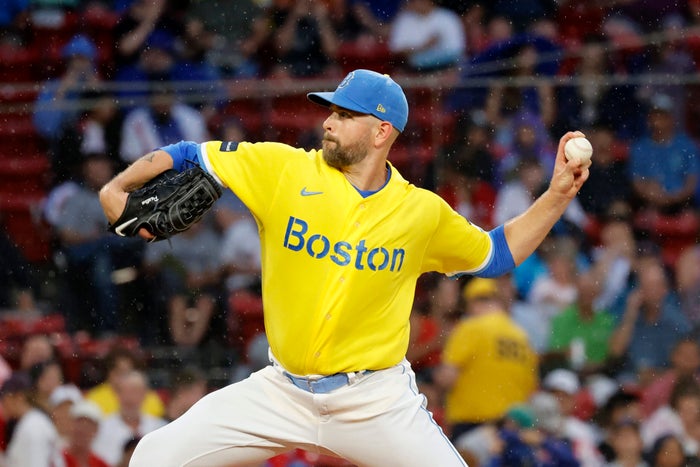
<point x="382" y="420"/>
<point x="239" y="425"/>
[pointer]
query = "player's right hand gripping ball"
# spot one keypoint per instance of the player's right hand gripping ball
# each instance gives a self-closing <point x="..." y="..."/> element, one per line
<point x="168" y="204"/>
<point x="578" y="148"/>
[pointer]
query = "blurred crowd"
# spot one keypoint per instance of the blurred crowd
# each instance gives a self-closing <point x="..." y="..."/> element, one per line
<point x="587" y="354"/>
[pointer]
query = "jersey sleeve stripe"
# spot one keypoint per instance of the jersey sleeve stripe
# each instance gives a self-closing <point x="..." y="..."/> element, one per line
<point x="204" y="157"/>
<point x="484" y="264"/>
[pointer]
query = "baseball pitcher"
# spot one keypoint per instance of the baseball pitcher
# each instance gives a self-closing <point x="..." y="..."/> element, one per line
<point x="344" y="238"/>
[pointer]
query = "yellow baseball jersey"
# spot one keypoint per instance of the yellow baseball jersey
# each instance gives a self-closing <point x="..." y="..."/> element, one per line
<point x="338" y="269"/>
<point x="497" y="368"/>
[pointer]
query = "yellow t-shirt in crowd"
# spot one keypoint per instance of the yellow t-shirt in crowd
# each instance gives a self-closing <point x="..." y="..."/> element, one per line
<point x="497" y="368"/>
<point x="104" y="396"/>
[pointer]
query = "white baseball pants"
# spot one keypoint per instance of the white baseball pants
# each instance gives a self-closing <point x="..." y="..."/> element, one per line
<point x="378" y="420"/>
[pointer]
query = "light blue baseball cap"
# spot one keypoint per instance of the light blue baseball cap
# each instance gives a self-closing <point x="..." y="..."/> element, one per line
<point x="368" y="92"/>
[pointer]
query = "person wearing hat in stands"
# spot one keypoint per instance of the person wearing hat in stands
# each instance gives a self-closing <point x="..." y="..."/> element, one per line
<point x="61" y="400"/>
<point x="86" y="417"/>
<point x="488" y="364"/>
<point x="564" y="385"/>
<point x="34" y="441"/>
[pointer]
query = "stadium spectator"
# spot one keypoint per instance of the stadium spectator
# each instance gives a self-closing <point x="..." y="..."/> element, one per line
<point x="651" y="326"/>
<point x="240" y="245"/>
<point x="383" y="11"/>
<point x="688" y="284"/>
<point x="626" y="443"/>
<point x="61" y="401"/>
<point x="129" y="421"/>
<point x="685" y="363"/>
<point x="36" y="349"/>
<point x="680" y="417"/>
<point x="583" y="324"/>
<point x="118" y="363"/>
<point x="507" y="105"/>
<point x="613" y="260"/>
<point x="426" y="37"/>
<point x="623" y="405"/>
<point x="534" y="439"/>
<point x="90" y="249"/>
<point x="475" y="19"/>
<point x="136" y="26"/>
<point x="164" y="120"/>
<point x="463" y="187"/>
<point x="667" y="451"/>
<point x="517" y="195"/>
<point x="524" y="314"/>
<point x="187" y="274"/>
<point x="13" y="22"/>
<point x="155" y="68"/>
<point x="306" y="41"/>
<point x="610" y="180"/>
<point x="34" y="440"/>
<point x="592" y="98"/>
<point x="188" y="386"/>
<point x="564" y="385"/>
<point x="487" y="363"/>
<point x="86" y="417"/>
<point x="99" y="132"/>
<point x="464" y="170"/>
<point x="45" y="377"/>
<point x="291" y="39"/>
<point x="664" y="168"/>
<point x="355" y="25"/>
<point x="431" y="322"/>
<point x="128" y="451"/>
<point x="671" y="56"/>
<point x="57" y="107"/>
<point x="522" y="13"/>
<point x="528" y="143"/>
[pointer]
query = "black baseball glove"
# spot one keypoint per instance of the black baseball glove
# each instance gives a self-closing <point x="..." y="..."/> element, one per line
<point x="168" y="204"/>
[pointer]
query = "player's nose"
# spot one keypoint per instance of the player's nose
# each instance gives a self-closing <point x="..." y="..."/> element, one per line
<point x="328" y="122"/>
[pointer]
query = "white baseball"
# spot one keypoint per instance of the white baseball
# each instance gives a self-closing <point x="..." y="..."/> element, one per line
<point x="579" y="148"/>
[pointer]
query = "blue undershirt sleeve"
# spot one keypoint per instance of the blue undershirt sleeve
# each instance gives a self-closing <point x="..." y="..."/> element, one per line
<point x="502" y="259"/>
<point x="185" y="154"/>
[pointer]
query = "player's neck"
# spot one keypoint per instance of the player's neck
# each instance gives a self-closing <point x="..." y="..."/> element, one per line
<point x="368" y="175"/>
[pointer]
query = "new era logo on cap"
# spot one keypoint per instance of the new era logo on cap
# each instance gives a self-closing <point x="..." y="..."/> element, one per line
<point x="368" y="92"/>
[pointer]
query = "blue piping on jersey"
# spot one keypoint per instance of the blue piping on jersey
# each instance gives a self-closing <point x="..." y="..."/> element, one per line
<point x="366" y="193"/>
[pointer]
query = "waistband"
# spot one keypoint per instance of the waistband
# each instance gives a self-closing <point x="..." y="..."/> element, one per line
<point x="319" y="384"/>
<point x="325" y="384"/>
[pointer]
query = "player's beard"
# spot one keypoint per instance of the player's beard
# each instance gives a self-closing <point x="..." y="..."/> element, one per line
<point x="342" y="156"/>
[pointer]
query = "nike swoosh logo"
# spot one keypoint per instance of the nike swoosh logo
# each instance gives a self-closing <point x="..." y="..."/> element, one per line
<point x="310" y="193"/>
<point x="120" y="230"/>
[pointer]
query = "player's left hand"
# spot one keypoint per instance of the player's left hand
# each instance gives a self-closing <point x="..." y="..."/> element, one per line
<point x="569" y="175"/>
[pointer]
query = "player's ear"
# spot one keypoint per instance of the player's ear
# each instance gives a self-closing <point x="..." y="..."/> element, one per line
<point x="384" y="133"/>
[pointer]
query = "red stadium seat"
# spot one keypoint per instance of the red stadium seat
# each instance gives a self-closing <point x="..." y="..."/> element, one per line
<point x="17" y="64"/>
<point x="368" y="55"/>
